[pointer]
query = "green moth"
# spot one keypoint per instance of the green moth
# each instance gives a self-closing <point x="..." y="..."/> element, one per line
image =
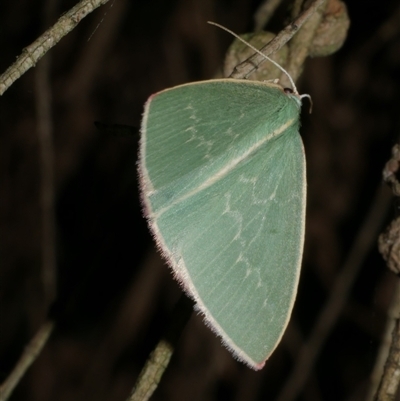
<point x="222" y="175"/>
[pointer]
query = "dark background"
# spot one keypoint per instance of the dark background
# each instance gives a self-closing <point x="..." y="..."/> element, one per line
<point x="115" y="291"/>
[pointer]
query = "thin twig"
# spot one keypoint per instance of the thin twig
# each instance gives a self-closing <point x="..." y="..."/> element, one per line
<point x="36" y="50"/>
<point x="28" y="357"/>
<point x="327" y="318"/>
<point x="244" y="69"/>
<point x="152" y="372"/>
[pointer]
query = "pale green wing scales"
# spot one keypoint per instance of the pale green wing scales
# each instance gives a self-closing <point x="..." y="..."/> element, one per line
<point x="223" y="183"/>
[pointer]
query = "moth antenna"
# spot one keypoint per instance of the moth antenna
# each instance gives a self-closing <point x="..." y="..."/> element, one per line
<point x="260" y="53"/>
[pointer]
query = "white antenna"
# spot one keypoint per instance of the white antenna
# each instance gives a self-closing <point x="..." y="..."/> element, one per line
<point x="263" y="55"/>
